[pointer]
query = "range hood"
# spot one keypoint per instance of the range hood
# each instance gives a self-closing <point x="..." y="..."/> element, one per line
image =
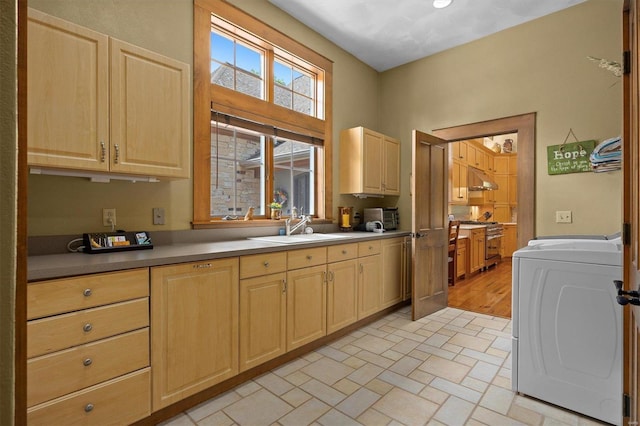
<point x="479" y="181"/>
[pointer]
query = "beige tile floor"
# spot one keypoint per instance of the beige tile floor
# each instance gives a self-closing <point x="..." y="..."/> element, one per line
<point x="450" y="368"/>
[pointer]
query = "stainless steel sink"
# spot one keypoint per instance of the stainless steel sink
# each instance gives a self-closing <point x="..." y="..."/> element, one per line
<point x="300" y="238"/>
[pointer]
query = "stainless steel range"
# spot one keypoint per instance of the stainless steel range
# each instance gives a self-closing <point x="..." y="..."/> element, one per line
<point x="493" y="241"/>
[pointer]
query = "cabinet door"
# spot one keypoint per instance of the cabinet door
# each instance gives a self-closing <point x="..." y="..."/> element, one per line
<point x="513" y="189"/>
<point x="369" y="285"/>
<point x="263" y="319"/>
<point x="342" y="294"/>
<point x="460" y="151"/>
<point x="479" y="242"/>
<point x="391" y="272"/>
<point x="502" y="193"/>
<point x="372" y="162"/>
<point x="194" y="323"/>
<point x="501" y="164"/>
<point x="150" y="121"/>
<point x="68" y="97"/>
<point x="502" y="213"/>
<point x="461" y="259"/>
<point x="459" y="187"/>
<point x="306" y="306"/>
<point x="391" y="172"/>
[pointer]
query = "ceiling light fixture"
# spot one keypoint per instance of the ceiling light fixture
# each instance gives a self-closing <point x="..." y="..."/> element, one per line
<point x="441" y="4"/>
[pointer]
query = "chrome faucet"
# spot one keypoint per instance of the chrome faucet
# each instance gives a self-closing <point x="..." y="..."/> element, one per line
<point x="301" y="224"/>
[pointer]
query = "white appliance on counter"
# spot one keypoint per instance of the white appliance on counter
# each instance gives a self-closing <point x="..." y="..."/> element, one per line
<point x="567" y="326"/>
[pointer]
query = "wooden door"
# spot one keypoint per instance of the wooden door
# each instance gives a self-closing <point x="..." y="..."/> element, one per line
<point x="631" y="210"/>
<point x="150" y="112"/>
<point x="194" y="328"/>
<point x="429" y="225"/>
<point x="68" y="97"/>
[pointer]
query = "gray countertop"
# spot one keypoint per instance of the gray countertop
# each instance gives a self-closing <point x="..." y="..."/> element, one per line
<point x="69" y="264"/>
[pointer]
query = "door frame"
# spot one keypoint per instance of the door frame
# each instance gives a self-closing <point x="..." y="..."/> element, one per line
<point x="525" y="126"/>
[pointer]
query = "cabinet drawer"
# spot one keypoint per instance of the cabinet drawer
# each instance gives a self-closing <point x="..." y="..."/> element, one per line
<point x="342" y="252"/>
<point x="262" y="264"/>
<point x="303" y="258"/>
<point x="52" y="334"/>
<point x="60" y="373"/>
<point x="367" y="248"/>
<point x="71" y="294"/>
<point x="120" y="401"/>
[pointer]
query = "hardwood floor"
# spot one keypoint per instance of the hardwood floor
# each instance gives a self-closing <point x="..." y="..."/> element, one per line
<point x="487" y="292"/>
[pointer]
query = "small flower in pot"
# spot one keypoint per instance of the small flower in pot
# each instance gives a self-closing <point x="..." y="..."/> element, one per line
<point x="276" y="210"/>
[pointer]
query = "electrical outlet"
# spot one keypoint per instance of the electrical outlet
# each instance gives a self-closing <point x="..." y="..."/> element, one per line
<point x="564" y="216"/>
<point x="158" y="216"/>
<point x="109" y="217"/>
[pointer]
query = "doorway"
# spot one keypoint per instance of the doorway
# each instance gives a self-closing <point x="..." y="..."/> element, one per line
<point x="495" y="286"/>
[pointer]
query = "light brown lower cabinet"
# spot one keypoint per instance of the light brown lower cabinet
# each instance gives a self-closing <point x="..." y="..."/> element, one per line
<point x="461" y="256"/>
<point x="342" y="294"/>
<point x="194" y="323"/>
<point x="369" y="278"/>
<point x="392" y="258"/>
<point x="88" y="349"/>
<point x="306" y="305"/>
<point x="263" y="319"/>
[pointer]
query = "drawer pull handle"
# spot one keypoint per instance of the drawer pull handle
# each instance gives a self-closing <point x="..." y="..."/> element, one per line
<point x="117" y="159"/>
<point x="87" y="292"/>
<point x="309" y="257"/>
<point x="103" y="152"/>
<point x="202" y="265"/>
<point x="87" y="327"/>
<point x="87" y="362"/>
<point x="88" y="408"/>
<point x="266" y="264"/>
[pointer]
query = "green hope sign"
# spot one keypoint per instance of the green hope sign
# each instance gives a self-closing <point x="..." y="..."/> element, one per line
<point x="569" y="157"/>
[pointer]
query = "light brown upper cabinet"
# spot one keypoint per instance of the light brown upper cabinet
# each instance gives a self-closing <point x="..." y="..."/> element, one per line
<point x="369" y="163"/>
<point x="100" y="104"/>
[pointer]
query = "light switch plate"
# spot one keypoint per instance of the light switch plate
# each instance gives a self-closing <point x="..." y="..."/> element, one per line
<point x="158" y="216"/>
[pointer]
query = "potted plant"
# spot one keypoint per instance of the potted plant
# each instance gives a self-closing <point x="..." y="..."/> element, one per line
<point x="276" y="210"/>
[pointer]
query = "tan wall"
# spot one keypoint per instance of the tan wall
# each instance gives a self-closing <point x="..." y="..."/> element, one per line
<point x="540" y="67"/>
<point x="62" y="205"/>
<point x="8" y="163"/>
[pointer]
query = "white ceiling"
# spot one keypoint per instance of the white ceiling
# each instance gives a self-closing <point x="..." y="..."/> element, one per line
<point x="389" y="33"/>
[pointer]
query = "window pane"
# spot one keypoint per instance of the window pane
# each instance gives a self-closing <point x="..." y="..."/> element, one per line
<point x="237" y="173"/>
<point x="221" y="75"/>
<point x="282" y="97"/>
<point x="303" y="104"/>
<point x="282" y="74"/>
<point x="293" y="176"/>
<point x="248" y="60"/>
<point x="249" y="84"/>
<point x="221" y="48"/>
<point x="302" y="83"/>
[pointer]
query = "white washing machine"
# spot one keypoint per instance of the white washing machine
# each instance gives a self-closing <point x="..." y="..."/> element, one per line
<point x="567" y="325"/>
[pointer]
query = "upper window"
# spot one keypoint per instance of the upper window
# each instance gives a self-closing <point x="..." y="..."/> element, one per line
<point x="262" y="127"/>
<point x="236" y="65"/>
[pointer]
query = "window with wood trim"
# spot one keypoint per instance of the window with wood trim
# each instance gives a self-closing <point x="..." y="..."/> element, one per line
<point x="262" y="120"/>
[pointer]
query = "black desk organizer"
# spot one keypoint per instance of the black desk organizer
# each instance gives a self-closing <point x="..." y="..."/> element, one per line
<point x="109" y="242"/>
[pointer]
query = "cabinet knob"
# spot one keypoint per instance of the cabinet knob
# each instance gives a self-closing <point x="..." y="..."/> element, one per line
<point x="344" y="252"/>
<point x="87" y="327"/>
<point x="88" y="408"/>
<point x="87" y="292"/>
<point x="87" y="362"/>
<point x="309" y="257"/>
<point x="266" y="264"/>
